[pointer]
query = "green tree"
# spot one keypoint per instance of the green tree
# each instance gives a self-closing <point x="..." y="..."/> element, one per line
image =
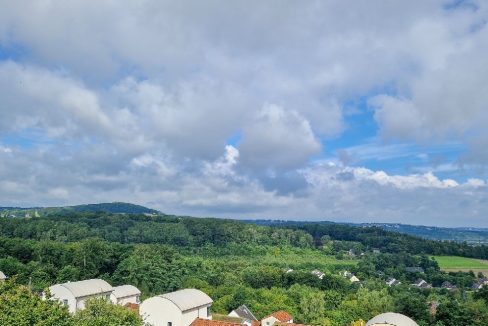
<point x="99" y="312"/>
<point x="20" y="307"/>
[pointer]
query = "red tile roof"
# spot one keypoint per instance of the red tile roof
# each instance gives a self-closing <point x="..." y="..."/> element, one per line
<point x="207" y="322"/>
<point x="281" y="315"/>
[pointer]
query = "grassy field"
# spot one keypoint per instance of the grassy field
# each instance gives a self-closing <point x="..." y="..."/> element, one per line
<point x="455" y="263"/>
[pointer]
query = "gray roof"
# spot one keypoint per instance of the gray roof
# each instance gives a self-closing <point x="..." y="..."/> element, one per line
<point x="87" y="287"/>
<point x="2" y="276"/>
<point x="244" y="312"/>
<point x="187" y="299"/>
<point x="124" y="291"/>
<point x="391" y="318"/>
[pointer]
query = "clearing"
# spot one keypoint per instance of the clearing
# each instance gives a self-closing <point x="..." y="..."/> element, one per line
<point x="456" y="263"/>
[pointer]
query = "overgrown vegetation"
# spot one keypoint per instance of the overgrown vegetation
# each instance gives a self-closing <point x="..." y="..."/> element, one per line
<point x="266" y="267"/>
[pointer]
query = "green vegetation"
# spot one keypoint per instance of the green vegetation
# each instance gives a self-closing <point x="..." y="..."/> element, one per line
<point x="21" y="307"/>
<point x="268" y="268"/>
<point x="461" y="263"/>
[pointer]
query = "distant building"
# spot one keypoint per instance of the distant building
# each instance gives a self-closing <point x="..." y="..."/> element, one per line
<point x="245" y="314"/>
<point x="393" y="282"/>
<point x="421" y="284"/>
<point x="350" y="276"/>
<point x="318" y="273"/>
<point x="351" y="253"/>
<point x="277" y="317"/>
<point x="448" y="286"/>
<point x="75" y="294"/>
<point x="391" y="319"/>
<point x="414" y="269"/>
<point x="3" y="277"/>
<point x="125" y="294"/>
<point x="179" y="308"/>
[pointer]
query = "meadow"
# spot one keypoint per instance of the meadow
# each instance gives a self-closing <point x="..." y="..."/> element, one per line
<point x="456" y="263"/>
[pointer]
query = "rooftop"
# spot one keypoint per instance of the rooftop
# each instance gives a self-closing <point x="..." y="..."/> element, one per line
<point x="124" y="291"/>
<point x="391" y="318"/>
<point x="187" y="299"/>
<point x="87" y="287"/>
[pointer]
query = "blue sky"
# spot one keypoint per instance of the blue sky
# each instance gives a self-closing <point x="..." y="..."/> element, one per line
<point x="330" y="110"/>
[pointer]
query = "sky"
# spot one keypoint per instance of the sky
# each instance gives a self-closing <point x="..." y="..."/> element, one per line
<point x="352" y="111"/>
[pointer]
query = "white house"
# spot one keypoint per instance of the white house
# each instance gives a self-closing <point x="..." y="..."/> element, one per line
<point x="3" y="277"/>
<point x="391" y="319"/>
<point x="243" y="313"/>
<point x="179" y="308"/>
<point x="125" y="294"/>
<point x="277" y="317"/>
<point x="318" y="273"/>
<point x="75" y="294"/>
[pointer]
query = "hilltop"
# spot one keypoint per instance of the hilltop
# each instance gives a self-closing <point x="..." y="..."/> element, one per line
<point x="114" y="208"/>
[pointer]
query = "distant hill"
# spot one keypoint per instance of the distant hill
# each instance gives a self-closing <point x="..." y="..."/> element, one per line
<point x="469" y="235"/>
<point x="115" y="208"/>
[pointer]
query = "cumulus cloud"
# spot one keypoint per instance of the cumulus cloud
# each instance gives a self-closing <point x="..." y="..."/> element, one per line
<point x="278" y="138"/>
<point x="138" y="102"/>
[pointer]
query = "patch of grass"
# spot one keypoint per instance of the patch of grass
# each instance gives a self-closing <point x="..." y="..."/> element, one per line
<point x="461" y="263"/>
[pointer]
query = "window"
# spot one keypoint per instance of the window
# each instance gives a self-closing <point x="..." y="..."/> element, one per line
<point x="65" y="302"/>
<point x="209" y="312"/>
<point x="170" y="323"/>
<point x="138" y="299"/>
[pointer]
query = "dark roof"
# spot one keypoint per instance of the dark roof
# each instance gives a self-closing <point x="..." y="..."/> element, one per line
<point x="244" y="312"/>
<point x="414" y="269"/>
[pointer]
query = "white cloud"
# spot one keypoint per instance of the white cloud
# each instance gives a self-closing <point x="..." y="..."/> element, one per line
<point x="278" y="138"/>
<point x="137" y="102"/>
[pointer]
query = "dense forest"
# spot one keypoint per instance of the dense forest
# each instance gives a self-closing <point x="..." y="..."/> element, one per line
<point x="268" y="268"/>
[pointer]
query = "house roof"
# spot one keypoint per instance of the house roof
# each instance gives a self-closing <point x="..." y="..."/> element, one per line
<point x="124" y="291"/>
<point x="391" y="318"/>
<point x="2" y="276"/>
<point x="87" y="287"/>
<point x="281" y="315"/>
<point x="244" y="312"/>
<point x="208" y="322"/>
<point x="187" y="299"/>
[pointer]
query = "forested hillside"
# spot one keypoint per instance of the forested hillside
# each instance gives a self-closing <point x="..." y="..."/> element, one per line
<point x="267" y="268"/>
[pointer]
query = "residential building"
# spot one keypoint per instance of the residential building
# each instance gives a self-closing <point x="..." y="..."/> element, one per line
<point x="448" y="286"/>
<point x="179" y="308"/>
<point x="277" y="317"/>
<point x="75" y="294"/>
<point x="245" y="314"/>
<point x="125" y="294"/>
<point x="391" y="319"/>
<point x="3" y="277"/>
<point x="414" y="269"/>
<point x="422" y="284"/>
<point x="393" y="282"/>
<point x="318" y="273"/>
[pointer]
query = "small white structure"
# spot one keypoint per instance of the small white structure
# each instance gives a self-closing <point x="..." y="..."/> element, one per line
<point x="75" y="294"/>
<point x="3" y="277"/>
<point x="318" y="273"/>
<point x="245" y="314"/>
<point x="277" y="317"/>
<point x="125" y="294"/>
<point x="179" y="308"/>
<point x="391" y="319"/>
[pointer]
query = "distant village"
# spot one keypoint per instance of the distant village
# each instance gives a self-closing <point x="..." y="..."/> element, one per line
<point x="192" y="307"/>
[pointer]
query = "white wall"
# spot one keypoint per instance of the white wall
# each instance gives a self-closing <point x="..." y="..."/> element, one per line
<point x="190" y="315"/>
<point x="61" y="293"/>
<point x="157" y="311"/>
<point x="124" y="301"/>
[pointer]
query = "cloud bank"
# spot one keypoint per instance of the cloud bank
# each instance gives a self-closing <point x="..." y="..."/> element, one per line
<point x="229" y="109"/>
